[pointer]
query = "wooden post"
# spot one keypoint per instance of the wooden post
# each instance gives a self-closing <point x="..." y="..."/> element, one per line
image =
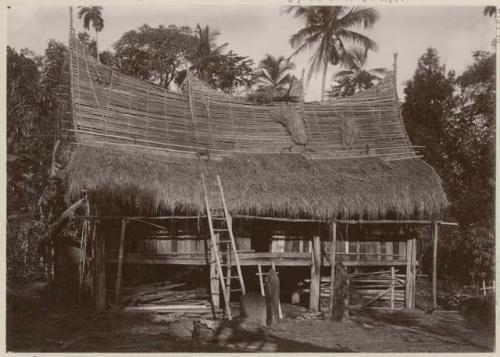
<point x="280" y="313"/>
<point x="393" y="277"/>
<point x="214" y="278"/>
<point x="314" y="289"/>
<point x="119" y="268"/>
<point x="92" y="259"/>
<point x="333" y="235"/>
<point x="434" y="263"/>
<point x="414" y="271"/>
<point x="408" y="292"/>
<point x="261" y="279"/>
<point x="100" y="272"/>
<point x="411" y="255"/>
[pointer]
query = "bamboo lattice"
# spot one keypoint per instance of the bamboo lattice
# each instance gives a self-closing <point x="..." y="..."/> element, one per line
<point x="110" y="108"/>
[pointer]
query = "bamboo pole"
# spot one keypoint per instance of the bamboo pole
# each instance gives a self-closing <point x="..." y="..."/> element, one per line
<point x="333" y="234"/>
<point x="434" y="263"/>
<point x="120" y="262"/>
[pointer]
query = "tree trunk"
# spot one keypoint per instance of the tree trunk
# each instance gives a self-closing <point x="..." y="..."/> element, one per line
<point x="97" y="45"/>
<point x="324" y="80"/>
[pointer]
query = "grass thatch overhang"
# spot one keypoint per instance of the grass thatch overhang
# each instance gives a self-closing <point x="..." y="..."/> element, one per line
<point x="259" y="184"/>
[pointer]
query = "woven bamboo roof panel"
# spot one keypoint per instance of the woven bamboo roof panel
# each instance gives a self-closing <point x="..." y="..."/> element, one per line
<point x="112" y="109"/>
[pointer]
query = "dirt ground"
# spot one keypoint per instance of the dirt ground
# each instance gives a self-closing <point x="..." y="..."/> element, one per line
<point x="33" y="325"/>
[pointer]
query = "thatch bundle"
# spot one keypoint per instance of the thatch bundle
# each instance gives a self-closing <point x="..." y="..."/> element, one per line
<point x="293" y="122"/>
<point x="279" y="185"/>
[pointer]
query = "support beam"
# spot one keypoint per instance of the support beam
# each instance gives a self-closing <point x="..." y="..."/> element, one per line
<point x="100" y="272"/>
<point x="119" y="269"/>
<point x="276" y="219"/>
<point x="333" y="235"/>
<point x="56" y="227"/>
<point x="314" y="289"/>
<point x="434" y="263"/>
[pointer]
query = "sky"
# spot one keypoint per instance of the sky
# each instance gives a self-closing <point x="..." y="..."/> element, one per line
<point x="253" y="31"/>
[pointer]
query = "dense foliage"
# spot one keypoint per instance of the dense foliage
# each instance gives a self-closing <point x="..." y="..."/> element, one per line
<point x="154" y="54"/>
<point x="274" y="80"/>
<point x="32" y="126"/>
<point x="355" y="78"/>
<point x="454" y="118"/>
<point x="92" y="15"/>
<point x="162" y="55"/>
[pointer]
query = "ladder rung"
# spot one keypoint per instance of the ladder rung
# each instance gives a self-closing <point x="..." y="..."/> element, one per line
<point x="223" y="241"/>
<point x="232" y="277"/>
<point x="234" y="289"/>
<point x="221" y="229"/>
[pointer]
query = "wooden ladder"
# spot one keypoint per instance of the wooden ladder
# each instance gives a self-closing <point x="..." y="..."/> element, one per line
<point x="222" y="238"/>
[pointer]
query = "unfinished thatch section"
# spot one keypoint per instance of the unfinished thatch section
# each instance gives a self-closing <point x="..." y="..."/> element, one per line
<point x="111" y="108"/>
<point x="136" y="145"/>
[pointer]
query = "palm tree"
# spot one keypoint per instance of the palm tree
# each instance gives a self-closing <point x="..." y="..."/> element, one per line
<point x="273" y="75"/>
<point x="489" y="11"/>
<point x="355" y="78"/>
<point x="205" y="51"/>
<point x="92" y="14"/>
<point x="327" y="29"/>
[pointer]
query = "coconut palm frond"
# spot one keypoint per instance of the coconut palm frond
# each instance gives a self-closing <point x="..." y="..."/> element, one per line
<point x="326" y="29"/>
<point x="380" y="70"/>
<point x="366" y="16"/>
<point x="274" y="73"/>
<point x="358" y="39"/>
<point x="342" y="74"/>
<point x="489" y="11"/>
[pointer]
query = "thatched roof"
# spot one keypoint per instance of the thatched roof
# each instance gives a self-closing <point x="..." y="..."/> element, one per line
<point x="136" y="145"/>
<point x="273" y="184"/>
